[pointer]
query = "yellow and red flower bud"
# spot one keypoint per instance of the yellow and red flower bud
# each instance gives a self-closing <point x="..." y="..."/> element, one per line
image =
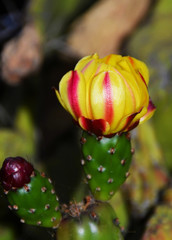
<point x="106" y="96"/>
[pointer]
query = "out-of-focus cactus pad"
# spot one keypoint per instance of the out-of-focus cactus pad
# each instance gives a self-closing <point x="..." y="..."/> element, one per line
<point x="159" y="227"/>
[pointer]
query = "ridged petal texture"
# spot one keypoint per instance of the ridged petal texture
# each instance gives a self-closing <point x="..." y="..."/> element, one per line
<point x="110" y="92"/>
<point x="105" y="162"/>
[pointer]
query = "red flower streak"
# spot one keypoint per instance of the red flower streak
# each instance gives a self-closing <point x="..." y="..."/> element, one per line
<point x="73" y="93"/>
<point x="108" y="97"/>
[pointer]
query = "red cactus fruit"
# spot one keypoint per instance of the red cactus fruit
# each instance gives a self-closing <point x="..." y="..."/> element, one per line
<point x="15" y="173"/>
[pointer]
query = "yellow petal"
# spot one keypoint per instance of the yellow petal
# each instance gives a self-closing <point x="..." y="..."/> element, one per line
<point x="85" y="60"/>
<point x="150" y="111"/>
<point x="88" y="66"/>
<point x="111" y="59"/>
<point x="108" y="97"/>
<point x="137" y="89"/>
<point x="101" y="68"/>
<point x="125" y="123"/>
<point x="138" y="116"/>
<point x="140" y="67"/>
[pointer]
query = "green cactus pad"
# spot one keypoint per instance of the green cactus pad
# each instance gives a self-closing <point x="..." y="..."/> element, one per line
<point x="97" y="222"/>
<point x="106" y="163"/>
<point x="36" y="203"/>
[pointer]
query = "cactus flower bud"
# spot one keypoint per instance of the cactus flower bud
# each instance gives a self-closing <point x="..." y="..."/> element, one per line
<point x="15" y="172"/>
<point x="106" y="96"/>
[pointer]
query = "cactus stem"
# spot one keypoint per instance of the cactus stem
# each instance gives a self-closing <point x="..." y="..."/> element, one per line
<point x="43" y="189"/>
<point x="101" y="169"/>
<point x="110" y="180"/>
<point x="110" y="156"/>
<point x="89" y="177"/>
<point x="89" y="157"/>
<point x="82" y="162"/>
<point x="30" y="198"/>
<point x="123" y="162"/>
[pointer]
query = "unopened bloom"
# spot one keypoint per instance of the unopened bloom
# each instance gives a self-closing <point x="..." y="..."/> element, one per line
<point x="106" y="96"/>
<point x="15" y="172"/>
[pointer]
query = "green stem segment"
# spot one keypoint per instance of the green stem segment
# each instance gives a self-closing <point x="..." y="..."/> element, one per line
<point x="36" y="202"/>
<point x="97" y="222"/>
<point x="106" y="162"/>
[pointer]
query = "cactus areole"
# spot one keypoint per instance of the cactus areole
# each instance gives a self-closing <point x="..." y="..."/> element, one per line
<point x="15" y="173"/>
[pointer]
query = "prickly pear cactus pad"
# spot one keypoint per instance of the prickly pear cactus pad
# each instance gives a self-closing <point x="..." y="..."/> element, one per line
<point x="105" y="162"/>
<point x="96" y="221"/>
<point x="35" y="202"/>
